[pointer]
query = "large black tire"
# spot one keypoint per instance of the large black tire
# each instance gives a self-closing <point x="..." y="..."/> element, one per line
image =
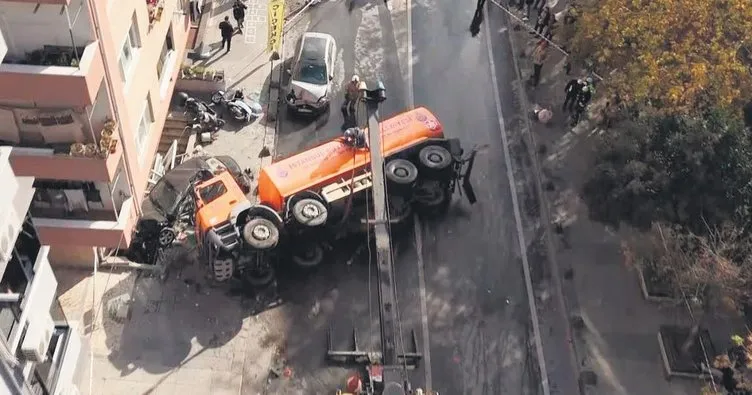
<point x="431" y="195"/>
<point x="310" y="212"/>
<point x="257" y="278"/>
<point x="435" y="161"/>
<point x="166" y="236"/>
<point x="310" y="255"/>
<point x="261" y="234"/>
<point x="401" y="173"/>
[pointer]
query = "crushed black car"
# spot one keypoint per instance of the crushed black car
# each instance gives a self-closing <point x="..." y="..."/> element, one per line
<point x="169" y="206"/>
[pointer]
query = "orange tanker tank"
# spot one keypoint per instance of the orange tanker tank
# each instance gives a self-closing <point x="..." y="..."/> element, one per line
<point x="333" y="160"/>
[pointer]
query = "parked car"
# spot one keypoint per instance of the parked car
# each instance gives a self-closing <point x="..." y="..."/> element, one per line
<point x="312" y="74"/>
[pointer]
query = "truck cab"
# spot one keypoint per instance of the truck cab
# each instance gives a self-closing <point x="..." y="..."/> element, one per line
<point x="228" y="237"/>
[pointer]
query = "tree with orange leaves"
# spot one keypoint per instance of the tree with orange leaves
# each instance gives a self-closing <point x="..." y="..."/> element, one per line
<point x="676" y="56"/>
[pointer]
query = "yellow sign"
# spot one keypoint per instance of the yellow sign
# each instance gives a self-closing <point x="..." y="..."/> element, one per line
<point x="276" y="22"/>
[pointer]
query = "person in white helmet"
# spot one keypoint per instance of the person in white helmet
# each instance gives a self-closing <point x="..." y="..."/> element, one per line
<point x="352" y="94"/>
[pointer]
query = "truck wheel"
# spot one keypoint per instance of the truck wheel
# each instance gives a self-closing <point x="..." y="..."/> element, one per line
<point x="259" y="277"/>
<point x="310" y="212"/>
<point x="430" y="194"/>
<point x="223" y="269"/>
<point x="401" y="172"/>
<point x="308" y="256"/>
<point x="435" y="160"/>
<point x="261" y="234"/>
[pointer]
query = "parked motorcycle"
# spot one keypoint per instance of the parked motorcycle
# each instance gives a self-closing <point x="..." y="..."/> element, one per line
<point x="204" y="118"/>
<point x="237" y="106"/>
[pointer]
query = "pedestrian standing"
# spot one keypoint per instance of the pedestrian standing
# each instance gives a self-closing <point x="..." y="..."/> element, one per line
<point x="528" y="7"/>
<point x="539" y="55"/>
<point x="583" y="99"/>
<point x="548" y="31"/>
<point x="539" y="4"/>
<point x="227" y="31"/>
<point x="543" y="19"/>
<point x="238" y="12"/>
<point x="572" y="89"/>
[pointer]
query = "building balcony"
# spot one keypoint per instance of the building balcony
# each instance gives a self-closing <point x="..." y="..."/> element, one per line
<point x="91" y="227"/>
<point x="53" y="76"/>
<point x="77" y="161"/>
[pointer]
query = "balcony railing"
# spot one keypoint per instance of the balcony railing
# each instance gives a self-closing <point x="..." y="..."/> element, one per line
<point x="53" y="76"/>
<point x="77" y="161"/>
<point x="88" y="231"/>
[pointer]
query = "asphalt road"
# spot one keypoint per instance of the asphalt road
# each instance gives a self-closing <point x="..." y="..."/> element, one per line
<point x="476" y="313"/>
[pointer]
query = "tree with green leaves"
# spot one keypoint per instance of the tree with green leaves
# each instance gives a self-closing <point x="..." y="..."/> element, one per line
<point x="679" y="56"/>
<point x="695" y="172"/>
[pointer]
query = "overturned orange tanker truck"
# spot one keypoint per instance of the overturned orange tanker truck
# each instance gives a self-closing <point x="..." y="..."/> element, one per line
<point x="311" y="198"/>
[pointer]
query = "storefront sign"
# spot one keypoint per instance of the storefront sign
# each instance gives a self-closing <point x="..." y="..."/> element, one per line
<point x="276" y="22"/>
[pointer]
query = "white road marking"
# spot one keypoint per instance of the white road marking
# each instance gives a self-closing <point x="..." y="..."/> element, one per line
<point x="517" y="216"/>
<point x="423" y="307"/>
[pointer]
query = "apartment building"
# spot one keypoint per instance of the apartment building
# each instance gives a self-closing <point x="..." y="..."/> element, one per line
<point x="40" y="353"/>
<point x="85" y="87"/>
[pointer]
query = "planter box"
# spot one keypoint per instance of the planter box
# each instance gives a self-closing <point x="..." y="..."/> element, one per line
<point x="652" y="293"/>
<point x="191" y="85"/>
<point x="676" y="364"/>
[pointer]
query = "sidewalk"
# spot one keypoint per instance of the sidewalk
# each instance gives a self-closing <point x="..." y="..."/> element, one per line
<point x="618" y="338"/>
<point x="184" y="336"/>
<point x="171" y="338"/>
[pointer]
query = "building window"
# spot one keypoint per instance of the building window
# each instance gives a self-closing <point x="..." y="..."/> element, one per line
<point x="167" y="51"/>
<point x="128" y="50"/>
<point x="144" y="126"/>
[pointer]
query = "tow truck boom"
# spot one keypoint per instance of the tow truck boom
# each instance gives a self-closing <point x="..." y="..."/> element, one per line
<point x="391" y="367"/>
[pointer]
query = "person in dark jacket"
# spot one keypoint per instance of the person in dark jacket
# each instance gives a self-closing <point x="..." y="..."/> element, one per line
<point x="238" y="12"/>
<point x="543" y="18"/>
<point x="528" y="7"/>
<point x="539" y="4"/>
<point x="581" y="103"/>
<point x="572" y="89"/>
<point x="227" y="31"/>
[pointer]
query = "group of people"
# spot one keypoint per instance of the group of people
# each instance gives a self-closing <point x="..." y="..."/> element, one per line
<point x="225" y="27"/>
<point x="578" y="92"/>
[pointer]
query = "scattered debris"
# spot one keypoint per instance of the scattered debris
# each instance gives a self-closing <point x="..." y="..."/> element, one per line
<point x="315" y="310"/>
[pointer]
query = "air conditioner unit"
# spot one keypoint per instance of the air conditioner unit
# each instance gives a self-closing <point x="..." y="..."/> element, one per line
<point x="38" y="336"/>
